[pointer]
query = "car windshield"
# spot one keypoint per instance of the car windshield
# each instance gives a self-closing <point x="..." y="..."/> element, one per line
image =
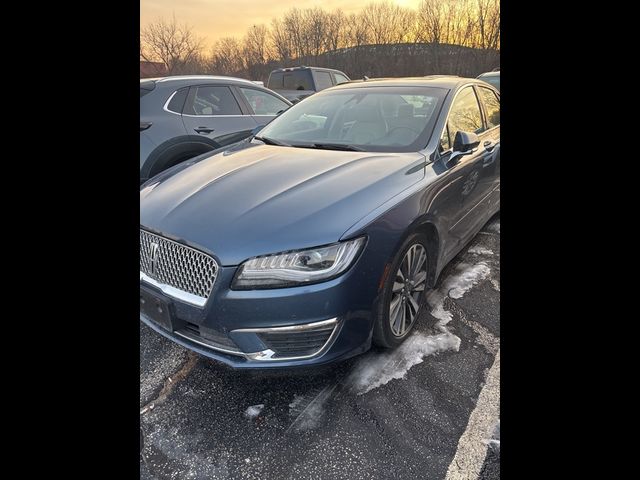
<point x="382" y="119"/>
<point x="492" y="79"/>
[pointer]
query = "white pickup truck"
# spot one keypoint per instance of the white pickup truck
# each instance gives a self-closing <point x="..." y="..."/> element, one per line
<point x="296" y="83"/>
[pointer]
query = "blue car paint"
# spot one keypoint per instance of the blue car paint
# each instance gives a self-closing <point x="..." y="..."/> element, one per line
<point x="302" y="198"/>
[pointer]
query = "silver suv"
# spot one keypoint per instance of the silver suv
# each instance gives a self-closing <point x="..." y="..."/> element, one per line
<point x="182" y="117"/>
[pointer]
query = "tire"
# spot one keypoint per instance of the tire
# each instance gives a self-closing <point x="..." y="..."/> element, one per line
<point x="388" y="333"/>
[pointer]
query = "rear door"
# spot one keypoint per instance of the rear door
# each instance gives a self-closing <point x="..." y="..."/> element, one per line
<point x="490" y="138"/>
<point x="213" y="111"/>
<point x="263" y="106"/>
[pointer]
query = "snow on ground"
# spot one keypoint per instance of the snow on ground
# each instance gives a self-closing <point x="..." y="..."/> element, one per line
<point x="478" y="250"/>
<point x="371" y="373"/>
<point x="307" y="410"/>
<point x="395" y="364"/>
<point x="253" y="411"/>
<point x="494" y="227"/>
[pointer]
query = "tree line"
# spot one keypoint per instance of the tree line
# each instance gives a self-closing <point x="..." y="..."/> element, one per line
<point x="439" y="37"/>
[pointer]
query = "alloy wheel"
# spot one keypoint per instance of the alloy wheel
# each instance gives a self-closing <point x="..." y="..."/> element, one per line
<point x="408" y="285"/>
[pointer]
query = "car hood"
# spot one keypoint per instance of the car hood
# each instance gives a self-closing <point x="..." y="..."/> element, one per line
<point x="268" y="199"/>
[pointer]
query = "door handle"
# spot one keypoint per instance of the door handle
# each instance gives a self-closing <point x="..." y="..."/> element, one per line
<point x="203" y="130"/>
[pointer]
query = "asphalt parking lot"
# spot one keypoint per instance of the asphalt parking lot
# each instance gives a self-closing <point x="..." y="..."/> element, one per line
<point x="428" y="410"/>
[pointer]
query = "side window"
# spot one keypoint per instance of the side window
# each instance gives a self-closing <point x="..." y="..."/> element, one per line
<point x="465" y="114"/>
<point x="263" y="103"/>
<point x="213" y="100"/>
<point x="323" y="80"/>
<point x="491" y="105"/>
<point x="340" y="78"/>
<point x="445" y="143"/>
<point x="177" y="101"/>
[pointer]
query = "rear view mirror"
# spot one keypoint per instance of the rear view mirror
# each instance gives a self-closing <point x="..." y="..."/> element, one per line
<point x="465" y="142"/>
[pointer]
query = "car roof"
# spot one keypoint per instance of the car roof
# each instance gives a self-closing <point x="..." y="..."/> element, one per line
<point x="185" y="80"/>
<point x="439" y="81"/>
<point x="291" y="69"/>
<point x="489" y="74"/>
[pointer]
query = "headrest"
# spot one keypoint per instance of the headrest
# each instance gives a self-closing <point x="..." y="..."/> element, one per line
<point x="366" y="113"/>
<point x="405" y="110"/>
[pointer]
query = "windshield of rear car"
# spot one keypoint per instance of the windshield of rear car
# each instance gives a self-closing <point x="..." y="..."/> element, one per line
<point x="492" y="79"/>
<point x="379" y="119"/>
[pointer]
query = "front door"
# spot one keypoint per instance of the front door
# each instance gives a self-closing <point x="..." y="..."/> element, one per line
<point x="264" y="106"/>
<point x="212" y="111"/>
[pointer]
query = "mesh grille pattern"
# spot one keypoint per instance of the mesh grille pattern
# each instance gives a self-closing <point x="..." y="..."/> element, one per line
<point x="297" y="344"/>
<point x="177" y="265"/>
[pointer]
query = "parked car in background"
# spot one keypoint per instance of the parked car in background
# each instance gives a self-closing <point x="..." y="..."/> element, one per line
<point x="181" y="117"/>
<point x="296" y="83"/>
<point x="312" y="240"/>
<point x="492" y="77"/>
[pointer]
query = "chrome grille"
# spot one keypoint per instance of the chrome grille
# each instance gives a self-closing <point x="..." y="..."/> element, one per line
<point x="170" y="264"/>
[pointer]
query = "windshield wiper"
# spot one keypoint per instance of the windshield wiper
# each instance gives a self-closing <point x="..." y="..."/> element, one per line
<point x="271" y="141"/>
<point x="332" y="146"/>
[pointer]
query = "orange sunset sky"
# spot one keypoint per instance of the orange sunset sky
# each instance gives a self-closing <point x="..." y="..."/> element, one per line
<point x="214" y="19"/>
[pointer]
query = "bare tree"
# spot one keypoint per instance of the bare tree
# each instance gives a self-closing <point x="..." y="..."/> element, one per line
<point x="226" y="57"/>
<point x="440" y="36"/>
<point x="255" y="50"/>
<point x="388" y="22"/>
<point x="176" y="46"/>
<point x="281" y="40"/>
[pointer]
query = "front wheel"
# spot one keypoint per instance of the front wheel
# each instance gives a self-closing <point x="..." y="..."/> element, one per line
<point x="403" y="293"/>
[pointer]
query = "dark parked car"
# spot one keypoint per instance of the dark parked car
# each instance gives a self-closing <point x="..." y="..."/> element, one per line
<point x="322" y="233"/>
<point x="296" y="83"/>
<point x="492" y="77"/>
<point x="181" y="117"/>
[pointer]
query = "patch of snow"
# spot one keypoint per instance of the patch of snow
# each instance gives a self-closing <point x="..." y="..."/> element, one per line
<point x="383" y="368"/>
<point x="469" y="275"/>
<point x="480" y="251"/>
<point x="253" y="411"/>
<point x="309" y="409"/>
<point x="494" y="227"/>
<point x="372" y="371"/>
<point x="297" y="399"/>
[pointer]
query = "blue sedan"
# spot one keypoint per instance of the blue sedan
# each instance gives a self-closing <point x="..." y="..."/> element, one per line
<point x="321" y="235"/>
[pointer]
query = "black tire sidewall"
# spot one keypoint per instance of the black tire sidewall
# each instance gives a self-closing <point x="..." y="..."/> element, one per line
<point x="382" y="335"/>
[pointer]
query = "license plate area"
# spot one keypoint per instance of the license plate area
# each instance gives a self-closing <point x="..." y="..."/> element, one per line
<point x="156" y="309"/>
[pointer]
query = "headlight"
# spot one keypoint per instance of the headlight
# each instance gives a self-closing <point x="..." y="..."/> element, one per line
<point x="297" y="267"/>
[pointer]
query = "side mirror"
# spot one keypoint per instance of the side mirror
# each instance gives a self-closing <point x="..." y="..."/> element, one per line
<point x="464" y="143"/>
<point x="255" y="130"/>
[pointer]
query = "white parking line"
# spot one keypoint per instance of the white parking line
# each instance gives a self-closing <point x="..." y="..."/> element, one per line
<point x="472" y="446"/>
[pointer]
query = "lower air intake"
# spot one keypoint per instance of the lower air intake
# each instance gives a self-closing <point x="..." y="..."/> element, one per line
<point x="300" y="343"/>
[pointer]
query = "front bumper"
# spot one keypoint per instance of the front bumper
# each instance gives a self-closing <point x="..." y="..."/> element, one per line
<point x="239" y="328"/>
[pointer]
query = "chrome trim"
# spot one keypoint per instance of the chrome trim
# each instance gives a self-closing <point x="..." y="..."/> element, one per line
<point x="174" y="292"/>
<point x="211" y="116"/>
<point x="203" y="342"/>
<point x="290" y="328"/>
<point x="262" y="355"/>
<point x="266" y="356"/>
<point x="166" y="104"/>
<point x="203" y="77"/>
<point x="197" y="296"/>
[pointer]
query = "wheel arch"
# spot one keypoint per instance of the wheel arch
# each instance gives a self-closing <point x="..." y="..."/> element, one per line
<point x="171" y="152"/>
